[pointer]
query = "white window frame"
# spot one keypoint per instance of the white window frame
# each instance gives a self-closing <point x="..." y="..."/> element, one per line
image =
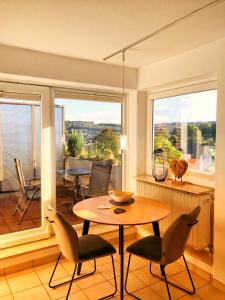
<point x="196" y="177"/>
<point x="48" y="169"/>
<point x="42" y="232"/>
<point x="92" y="95"/>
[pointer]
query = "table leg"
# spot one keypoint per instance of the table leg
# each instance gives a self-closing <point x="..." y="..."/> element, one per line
<point x="76" y="188"/>
<point x="86" y="226"/>
<point x="156" y="228"/>
<point x="121" y="251"/>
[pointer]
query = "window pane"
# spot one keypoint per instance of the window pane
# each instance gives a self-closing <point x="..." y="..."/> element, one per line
<point x="86" y="132"/>
<point x="185" y="126"/>
<point x="19" y="139"/>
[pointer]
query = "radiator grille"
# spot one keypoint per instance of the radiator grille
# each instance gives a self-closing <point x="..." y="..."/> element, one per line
<point x="181" y="202"/>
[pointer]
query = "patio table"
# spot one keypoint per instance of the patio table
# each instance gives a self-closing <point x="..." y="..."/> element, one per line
<point x="76" y="172"/>
<point x="142" y="211"/>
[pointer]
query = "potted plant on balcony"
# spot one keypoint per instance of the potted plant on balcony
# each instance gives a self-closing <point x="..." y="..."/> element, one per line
<point x="75" y="143"/>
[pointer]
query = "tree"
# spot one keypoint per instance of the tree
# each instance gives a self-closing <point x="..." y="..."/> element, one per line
<point x="165" y="144"/>
<point x="106" y="144"/>
<point x="75" y="143"/>
<point x="194" y="137"/>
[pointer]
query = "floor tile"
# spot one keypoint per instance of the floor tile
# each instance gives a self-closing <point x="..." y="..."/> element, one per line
<point x="61" y="291"/>
<point x="107" y="270"/>
<point x="69" y="266"/>
<point x="4" y="288"/>
<point x="144" y="275"/>
<point x="44" y="272"/>
<point x="133" y="283"/>
<point x="193" y="297"/>
<point x="90" y="281"/>
<point x="171" y="269"/>
<point x="22" y="280"/>
<point x="9" y="297"/>
<point x="208" y="292"/>
<point x="136" y="263"/>
<point x="183" y="279"/>
<point x="37" y="293"/>
<point x="147" y="294"/>
<point x="103" y="260"/>
<point x="99" y="290"/>
<point x="76" y="296"/>
<point x="160" y="289"/>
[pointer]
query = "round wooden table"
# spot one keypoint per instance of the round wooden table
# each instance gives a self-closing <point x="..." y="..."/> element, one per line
<point x="142" y="211"/>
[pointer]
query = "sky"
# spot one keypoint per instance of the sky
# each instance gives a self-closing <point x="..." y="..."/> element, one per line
<point x="95" y="111"/>
<point x="193" y="107"/>
<point x="200" y="106"/>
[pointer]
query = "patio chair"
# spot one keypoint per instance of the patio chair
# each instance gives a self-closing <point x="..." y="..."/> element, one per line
<point x="30" y="190"/>
<point x="78" y="249"/>
<point x="166" y="250"/>
<point x="99" y="179"/>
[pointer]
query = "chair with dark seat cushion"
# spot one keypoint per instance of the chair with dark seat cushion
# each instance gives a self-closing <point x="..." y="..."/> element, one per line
<point x="99" y="179"/>
<point x="167" y="249"/>
<point x="78" y="249"/>
<point x="93" y="246"/>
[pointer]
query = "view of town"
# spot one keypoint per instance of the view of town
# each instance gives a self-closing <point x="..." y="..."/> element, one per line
<point x="88" y="135"/>
<point x="89" y="129"/>
<point x="187" y="135"/>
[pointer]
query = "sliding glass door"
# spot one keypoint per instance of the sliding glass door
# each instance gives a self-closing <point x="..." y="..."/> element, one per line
<point x="87" y="132"/>
<point x="25" y="140"/>
<point x="20" y="140"/>
<point x="44" y="138"/>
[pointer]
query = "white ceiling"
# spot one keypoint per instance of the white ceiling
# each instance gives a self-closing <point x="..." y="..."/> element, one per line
<point x="93" y="29"/>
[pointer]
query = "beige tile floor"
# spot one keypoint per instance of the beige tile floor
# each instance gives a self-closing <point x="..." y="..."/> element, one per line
<point x="32" y="283"/>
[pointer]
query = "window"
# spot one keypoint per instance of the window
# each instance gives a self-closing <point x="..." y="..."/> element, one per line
<point x="86" y="131"/>
<point x="185" y="126"/>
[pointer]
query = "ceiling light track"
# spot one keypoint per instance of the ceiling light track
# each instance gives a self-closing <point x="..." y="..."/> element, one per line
<point x="172" y="24"/>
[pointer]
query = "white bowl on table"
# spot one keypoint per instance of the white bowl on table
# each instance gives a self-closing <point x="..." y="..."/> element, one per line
<point x="120" y="197"/>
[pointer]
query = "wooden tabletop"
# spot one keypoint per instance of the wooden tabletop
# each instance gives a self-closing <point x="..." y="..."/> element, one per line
<point x="142" y="211"/>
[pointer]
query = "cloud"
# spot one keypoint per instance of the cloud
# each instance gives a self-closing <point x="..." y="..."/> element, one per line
<point x="104" y="116"/>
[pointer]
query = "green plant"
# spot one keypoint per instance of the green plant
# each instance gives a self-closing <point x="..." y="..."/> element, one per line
<point x="105" y="145"/>
<point x="171" y="151"/>
<point x="75" y="143"/>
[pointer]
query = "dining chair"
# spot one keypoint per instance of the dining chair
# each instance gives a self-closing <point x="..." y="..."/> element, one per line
<point x="30" y="190"/>
<point x="167" y="249"/>
<point x="99" y="179"/>
<point x="78" y="249"/>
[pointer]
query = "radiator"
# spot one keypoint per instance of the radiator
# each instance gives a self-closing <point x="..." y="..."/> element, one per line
<point x="201" y="235"/>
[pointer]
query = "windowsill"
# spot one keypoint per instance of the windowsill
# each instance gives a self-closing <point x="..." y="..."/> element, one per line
<point x="187" y="187"/>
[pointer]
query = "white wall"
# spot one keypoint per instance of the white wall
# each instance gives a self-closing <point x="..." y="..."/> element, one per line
<point x="203" y="63"/>
<point x="35" y="65"/>
<point x="200" y="62"/>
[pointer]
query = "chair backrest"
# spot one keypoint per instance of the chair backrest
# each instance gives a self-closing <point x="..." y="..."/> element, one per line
<point x="175" y="238"/>
<point x="20" y="175"/>
<point x="100" y="177"/>
<point x="65" y="235"/>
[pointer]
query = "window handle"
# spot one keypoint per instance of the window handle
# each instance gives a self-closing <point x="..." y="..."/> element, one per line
<point x="50" y="221"/>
